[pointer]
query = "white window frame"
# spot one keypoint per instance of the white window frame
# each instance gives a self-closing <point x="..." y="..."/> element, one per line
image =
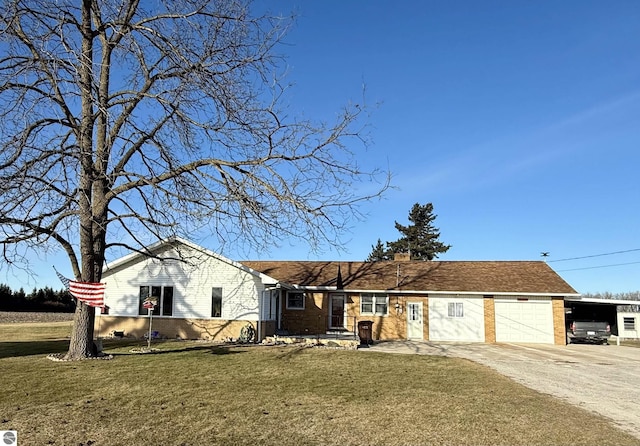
<point x="455" y="309"/>
<point x="291" y="293"/>
<point x="160" y="300"/>
<point x="376" y="300"/>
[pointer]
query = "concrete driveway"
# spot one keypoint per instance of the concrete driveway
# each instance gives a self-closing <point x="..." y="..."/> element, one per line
<point x="598" y="378"/>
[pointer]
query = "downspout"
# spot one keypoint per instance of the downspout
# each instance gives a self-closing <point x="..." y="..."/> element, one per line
<point x="260" y="314"/>
<point x="259" y="339"/>
<point x="279" y="306"/>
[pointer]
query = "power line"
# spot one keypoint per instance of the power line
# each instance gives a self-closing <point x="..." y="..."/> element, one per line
<point x="596" y="267"/>
<point x="595" y="255"/>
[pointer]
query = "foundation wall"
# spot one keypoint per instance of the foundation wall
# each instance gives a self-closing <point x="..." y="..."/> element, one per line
<point x="171" y="328"/>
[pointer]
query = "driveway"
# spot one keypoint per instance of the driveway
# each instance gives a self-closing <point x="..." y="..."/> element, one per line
<point x="598" y="378"/>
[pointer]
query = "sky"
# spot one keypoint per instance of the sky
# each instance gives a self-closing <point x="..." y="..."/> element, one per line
<point x="518" y="120"/>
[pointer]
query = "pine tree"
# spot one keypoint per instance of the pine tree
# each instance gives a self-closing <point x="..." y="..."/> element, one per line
<point x="379" y="252"/>
<point x="420" y="238"/>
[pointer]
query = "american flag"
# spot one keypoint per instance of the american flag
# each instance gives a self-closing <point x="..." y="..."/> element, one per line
<point x="63" y="279"/>
<point x="90" y="293"/>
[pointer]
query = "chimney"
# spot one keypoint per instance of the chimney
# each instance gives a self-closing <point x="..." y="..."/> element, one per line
<point x="402" y="257"/>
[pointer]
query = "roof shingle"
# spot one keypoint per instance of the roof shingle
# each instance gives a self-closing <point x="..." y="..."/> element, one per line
<point x="438" y="276"/>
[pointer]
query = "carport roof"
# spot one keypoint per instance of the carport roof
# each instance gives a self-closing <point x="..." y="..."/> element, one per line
<point x="482" y="277"/>
<point x="595" y="300"/>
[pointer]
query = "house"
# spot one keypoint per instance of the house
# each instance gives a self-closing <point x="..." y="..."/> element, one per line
<point x="199" y="294"/>
<point x="212" y="297"/>
<point x="469" y="301"/>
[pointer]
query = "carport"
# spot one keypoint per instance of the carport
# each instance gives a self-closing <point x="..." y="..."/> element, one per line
<point x="583" y="308"/>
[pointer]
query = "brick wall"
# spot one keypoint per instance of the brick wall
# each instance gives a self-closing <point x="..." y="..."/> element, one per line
<point x="559" y="329"/>
<point x="489" y="320"/>
<point x="314" y="319"/>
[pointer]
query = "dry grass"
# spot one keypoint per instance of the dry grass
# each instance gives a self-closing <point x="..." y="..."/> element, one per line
<point x="630" y="343"/>
<point x="200" y="394"/>
<point x="36" y="331"/>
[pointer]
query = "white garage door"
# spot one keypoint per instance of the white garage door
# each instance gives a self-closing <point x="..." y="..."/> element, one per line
<point x="519" y="320"/>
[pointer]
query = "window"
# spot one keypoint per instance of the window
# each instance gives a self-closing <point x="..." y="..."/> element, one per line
<point x="629" y="323"/>
<point x="167" y="301"/>
<point x="374" y="303"/>
<point x="162" y="296"/>
<point x="216" y="302"/>
<point x="295" y="301"/>
<point x="455" y="309"/>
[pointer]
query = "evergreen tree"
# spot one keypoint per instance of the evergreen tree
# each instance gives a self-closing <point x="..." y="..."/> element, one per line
<point x="39" y="299"/>
<point x="5" y="292"/>
<point x="420" y="238"/>
<point x="379" y="252"/>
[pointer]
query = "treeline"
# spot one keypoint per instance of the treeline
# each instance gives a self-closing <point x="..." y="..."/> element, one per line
<point x="44" y="299"/>
<point x="632" y="295"/>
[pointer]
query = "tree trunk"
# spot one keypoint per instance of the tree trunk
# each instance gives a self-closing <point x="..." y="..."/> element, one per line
<point x="81" y="344"/>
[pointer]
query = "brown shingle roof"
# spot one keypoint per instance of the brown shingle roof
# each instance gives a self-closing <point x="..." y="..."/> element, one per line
<point x="470" y="276"/>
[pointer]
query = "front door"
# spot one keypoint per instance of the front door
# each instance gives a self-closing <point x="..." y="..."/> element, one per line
<point x="336" y="311"/>
<point x="414" y="320"/>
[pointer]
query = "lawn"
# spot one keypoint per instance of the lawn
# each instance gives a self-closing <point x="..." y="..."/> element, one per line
<point x="191" y="393"/>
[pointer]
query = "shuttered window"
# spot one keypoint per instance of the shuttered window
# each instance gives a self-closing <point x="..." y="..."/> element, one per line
<point x="629" y="323"/>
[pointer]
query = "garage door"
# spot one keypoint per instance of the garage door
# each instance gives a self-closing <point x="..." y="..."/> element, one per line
<point x="524" y="320"/>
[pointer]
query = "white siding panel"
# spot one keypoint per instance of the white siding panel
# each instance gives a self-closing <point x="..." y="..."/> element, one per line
<point x="468" y="328"/>
<point x="627" y="333"/>
<point x="193" y="283"/>
<point x="528" y="321"/>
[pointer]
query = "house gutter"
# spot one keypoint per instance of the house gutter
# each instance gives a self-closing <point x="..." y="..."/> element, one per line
<point x="574" y="296"/>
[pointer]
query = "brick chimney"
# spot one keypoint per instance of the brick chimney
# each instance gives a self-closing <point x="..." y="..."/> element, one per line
<point x="401" y="257"/>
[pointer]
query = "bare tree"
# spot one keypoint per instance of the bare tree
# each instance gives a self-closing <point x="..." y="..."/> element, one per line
<point x="124" y="122"/>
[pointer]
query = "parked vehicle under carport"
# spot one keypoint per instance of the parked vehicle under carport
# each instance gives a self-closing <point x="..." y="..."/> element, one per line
<point x="588" y="331"/>
<point x="589" y="322"/>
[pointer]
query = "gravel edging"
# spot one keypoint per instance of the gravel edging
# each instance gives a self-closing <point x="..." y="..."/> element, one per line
<point x="59" y="357"/>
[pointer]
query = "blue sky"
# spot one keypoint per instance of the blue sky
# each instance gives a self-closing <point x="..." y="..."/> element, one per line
<point x="518" y="120"/>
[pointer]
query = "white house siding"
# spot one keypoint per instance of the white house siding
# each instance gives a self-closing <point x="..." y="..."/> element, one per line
<point x="192" y="283"/>
<point x="524" y="319"/>
<point x="468" y="328"/>
<point x="629" y="333"/>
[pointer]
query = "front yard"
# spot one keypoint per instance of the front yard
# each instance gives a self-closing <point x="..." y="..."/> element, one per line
<point x="191" y="393"/>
